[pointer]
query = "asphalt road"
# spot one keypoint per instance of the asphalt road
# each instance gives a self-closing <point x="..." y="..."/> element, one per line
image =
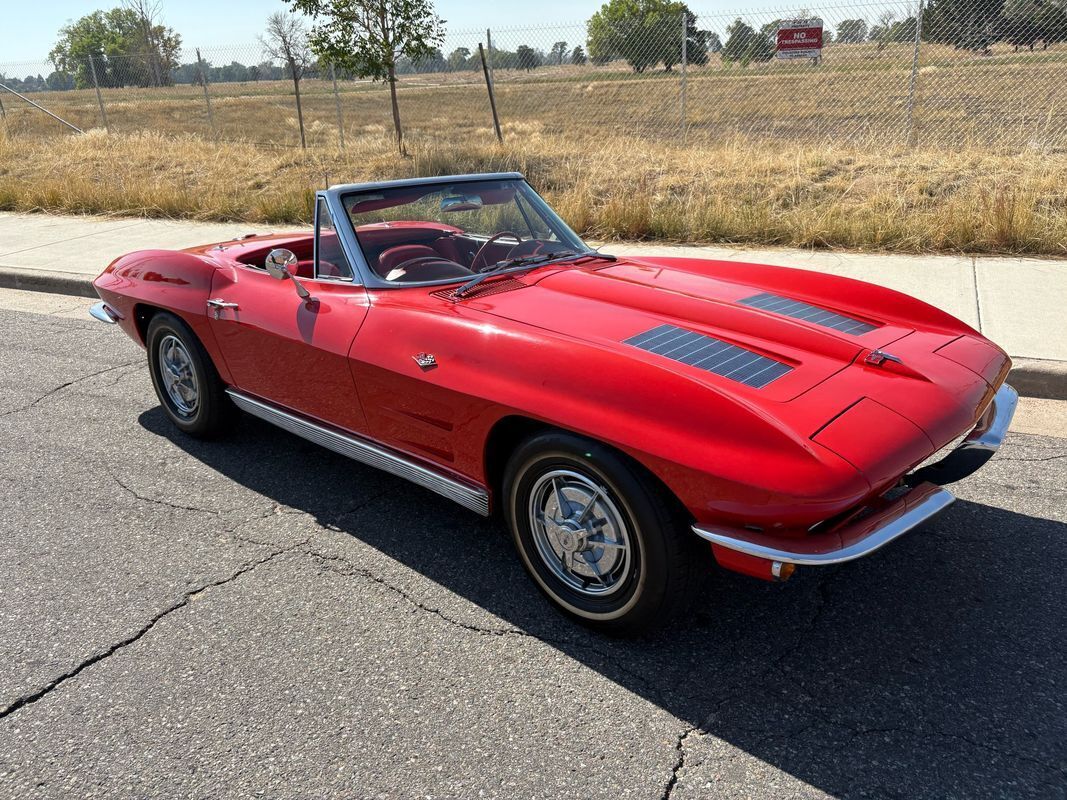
<point x="259" y="617"/>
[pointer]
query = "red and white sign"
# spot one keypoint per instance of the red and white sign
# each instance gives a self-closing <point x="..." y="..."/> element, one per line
<point x="799" y="38"/>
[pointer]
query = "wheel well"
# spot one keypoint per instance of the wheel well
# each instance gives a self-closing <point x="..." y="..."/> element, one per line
<point x="504" y="438"/>
<point x="509" y="432"/>
<point x="142" y="316"/>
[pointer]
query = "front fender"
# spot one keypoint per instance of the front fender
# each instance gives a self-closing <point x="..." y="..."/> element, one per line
<point x="179" y="282"/>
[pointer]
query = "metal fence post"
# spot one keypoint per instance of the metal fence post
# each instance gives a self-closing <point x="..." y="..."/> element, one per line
<point x="337" y="102"/>
<point x="492" y="98"/>
<point x="99" y="97"/>
<point x="207" y="95"/>
<point x="3" y="111"/>
<point x="685" y="31"/>
<point x="912" y="139"/>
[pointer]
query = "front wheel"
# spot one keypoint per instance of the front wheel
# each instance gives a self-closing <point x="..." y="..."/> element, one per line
<point x="185" y="380"/>
<point x="600" y="538"/>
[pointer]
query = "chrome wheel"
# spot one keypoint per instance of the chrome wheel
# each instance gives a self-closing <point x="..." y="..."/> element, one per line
<point x="580" y="534"/>
<point x="178" y="375"/>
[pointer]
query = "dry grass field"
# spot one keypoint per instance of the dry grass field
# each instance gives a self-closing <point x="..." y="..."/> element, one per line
<point x="774" y="154"/>
<point x="859" y="94"/>
<point x="731" y="191"/>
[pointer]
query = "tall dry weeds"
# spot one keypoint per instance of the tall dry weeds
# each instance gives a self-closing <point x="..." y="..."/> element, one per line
<point x="731" y="191"/>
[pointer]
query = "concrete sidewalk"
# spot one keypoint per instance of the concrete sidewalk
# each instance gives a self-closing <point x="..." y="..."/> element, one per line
<point x="1018" y="303"/>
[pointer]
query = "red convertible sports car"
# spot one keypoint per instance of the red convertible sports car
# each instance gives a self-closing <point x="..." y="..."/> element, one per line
<point x="622" y="414"/>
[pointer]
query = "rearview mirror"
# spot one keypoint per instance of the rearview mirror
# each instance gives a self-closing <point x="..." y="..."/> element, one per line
<point x="461" y="202"/>
<point x="280" y="265"/>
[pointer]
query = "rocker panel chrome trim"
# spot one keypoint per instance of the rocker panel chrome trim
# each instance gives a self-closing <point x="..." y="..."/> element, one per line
<point x="475" y="499"/>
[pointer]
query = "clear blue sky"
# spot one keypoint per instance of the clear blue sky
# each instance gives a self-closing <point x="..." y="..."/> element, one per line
<point x="29" y="35"/>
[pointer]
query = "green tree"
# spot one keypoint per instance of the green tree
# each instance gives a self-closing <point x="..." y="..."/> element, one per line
<point x="1024" y="23"/>
<point x="965" y="24"/>
<point x="458" y="59"/>
<point x="697" y="43"/>
<point x="59" y="81"/>
<point x="645" y="33"/>
<point x="123" y="49"/>
<point x="528" y="58"/>
<point x="745" y="45"/>
<point x="367" y="37"/>
<point x="558" y="52"/>
<point x="852" y="31"/>
<point x="578" y="57"/>
<point x="881" y="32"/>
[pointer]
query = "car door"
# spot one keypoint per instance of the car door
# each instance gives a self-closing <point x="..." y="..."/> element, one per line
<point x="292" y="351"/>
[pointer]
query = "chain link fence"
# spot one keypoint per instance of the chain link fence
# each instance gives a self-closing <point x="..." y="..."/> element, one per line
<point x="887" y="74"/>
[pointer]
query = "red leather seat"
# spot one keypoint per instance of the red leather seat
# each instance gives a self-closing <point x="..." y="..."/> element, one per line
<point x="393" y="257"/>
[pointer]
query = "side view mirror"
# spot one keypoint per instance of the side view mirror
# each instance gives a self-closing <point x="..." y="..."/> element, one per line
<point x="280" y="264"/>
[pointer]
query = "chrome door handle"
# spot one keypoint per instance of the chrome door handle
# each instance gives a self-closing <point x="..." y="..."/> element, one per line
<point x="216" y="305"/>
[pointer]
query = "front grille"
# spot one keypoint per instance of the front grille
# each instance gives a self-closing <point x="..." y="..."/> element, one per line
<point x="710" y="354"/>
<point x="806" y="312"/>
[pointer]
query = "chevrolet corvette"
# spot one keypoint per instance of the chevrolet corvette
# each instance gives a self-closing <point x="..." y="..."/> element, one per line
<point x="622" y="415"/>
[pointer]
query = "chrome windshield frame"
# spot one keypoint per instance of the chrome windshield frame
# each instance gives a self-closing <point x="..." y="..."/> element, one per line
<point x="350" y="243"/>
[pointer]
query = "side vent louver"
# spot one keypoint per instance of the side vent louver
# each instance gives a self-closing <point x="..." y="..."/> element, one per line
<point x="787" y="307"/>
<point x="711" y="354"/>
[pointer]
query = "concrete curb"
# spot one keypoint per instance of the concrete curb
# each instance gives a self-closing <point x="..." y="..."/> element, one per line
<point x="1031" y="377"/>
<point x="40" y="280"/>
<point x="1034" y="377"/>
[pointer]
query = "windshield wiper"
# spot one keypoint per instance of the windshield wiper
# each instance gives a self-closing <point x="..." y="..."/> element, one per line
<point x="500" y="266"/>
<point x="525" y="261"/>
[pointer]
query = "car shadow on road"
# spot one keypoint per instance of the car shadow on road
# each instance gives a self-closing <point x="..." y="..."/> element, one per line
<point x="932" y="668"/>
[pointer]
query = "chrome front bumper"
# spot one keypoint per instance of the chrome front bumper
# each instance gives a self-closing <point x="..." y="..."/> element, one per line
<point x="864" y="536"/>
<point x="977" y="447"/>
<point x="104" y="313"/>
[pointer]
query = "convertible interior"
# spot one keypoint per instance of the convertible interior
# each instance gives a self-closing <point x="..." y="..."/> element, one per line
<point x="409" y="252"/>
<point x="412" y="252"/>
<point x="404" y="238"/>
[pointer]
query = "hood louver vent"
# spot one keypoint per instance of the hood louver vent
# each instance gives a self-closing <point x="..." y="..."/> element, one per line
<point x="483" y="290"/>
<point x="710" y="354"/>
<point x="787" y="307"/>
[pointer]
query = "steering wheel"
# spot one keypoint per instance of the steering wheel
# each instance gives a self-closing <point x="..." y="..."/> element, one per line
<point x="399" y="272"/>
<point x="489" y="241"/>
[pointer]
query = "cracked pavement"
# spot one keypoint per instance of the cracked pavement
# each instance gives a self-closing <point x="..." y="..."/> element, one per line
<point x="258" y="616"/>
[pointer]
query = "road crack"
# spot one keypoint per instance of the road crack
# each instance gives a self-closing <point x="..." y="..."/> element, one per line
<point x="340" y="565"/>
<point x="331" y="563"/>
<point x="182" y="602"/>
<point x="165" y="503"/>
<point x="679" y="761"/>
<point x="1032" y="460"/>
<point x="41" y="398"/>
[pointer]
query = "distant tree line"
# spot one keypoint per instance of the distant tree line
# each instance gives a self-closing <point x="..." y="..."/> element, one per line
<point x="969" y="24"/>
<point x="128" y="46"/>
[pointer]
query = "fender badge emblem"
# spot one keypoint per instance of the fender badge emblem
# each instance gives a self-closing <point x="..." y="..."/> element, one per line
<point x="878" y="357"/>
<point x="425" y="360"/>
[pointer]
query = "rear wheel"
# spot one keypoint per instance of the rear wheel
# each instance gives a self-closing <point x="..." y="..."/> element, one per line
<point x="185" y="380"/>
<point x="599" y="537"/>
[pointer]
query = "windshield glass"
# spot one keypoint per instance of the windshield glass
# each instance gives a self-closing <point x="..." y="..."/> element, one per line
<point x="453" y="231"/>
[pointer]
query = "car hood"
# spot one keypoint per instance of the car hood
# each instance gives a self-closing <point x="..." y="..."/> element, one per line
<point x="945" y="372"/>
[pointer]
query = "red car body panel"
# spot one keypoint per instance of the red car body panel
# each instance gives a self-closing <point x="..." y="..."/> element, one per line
<point x="549" y="346"/>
